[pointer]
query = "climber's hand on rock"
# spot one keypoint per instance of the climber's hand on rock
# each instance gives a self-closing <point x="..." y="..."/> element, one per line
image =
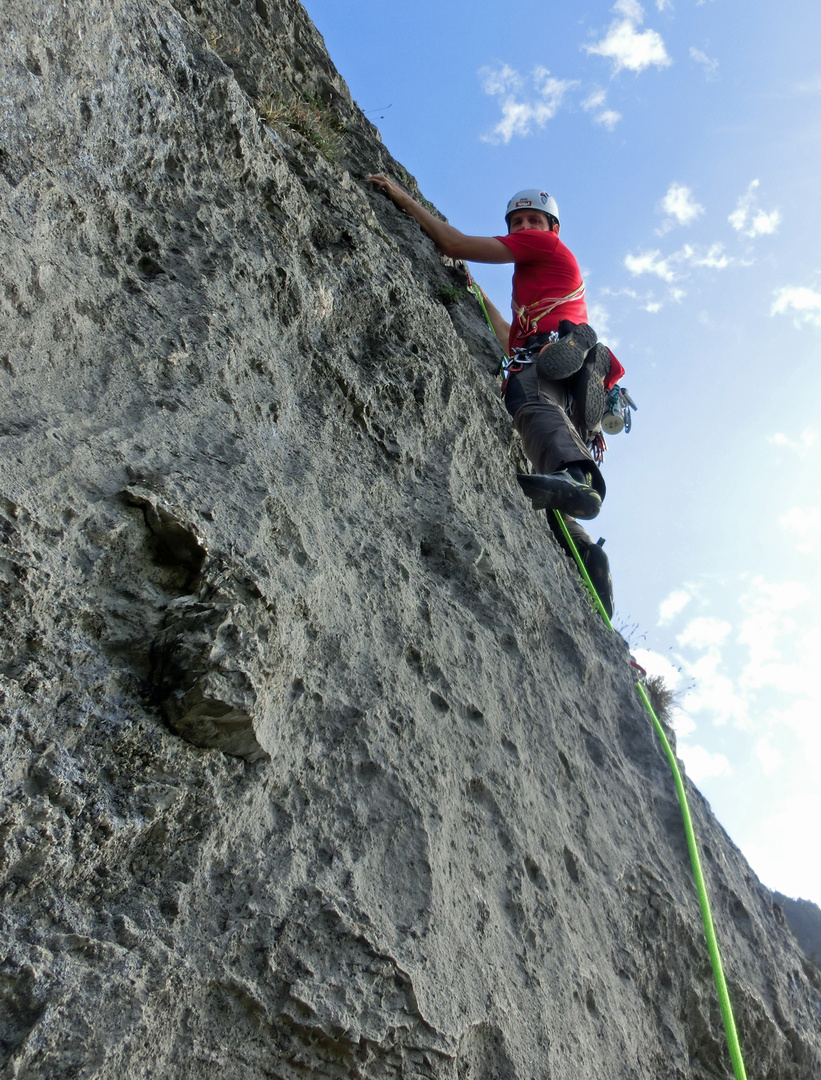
<point x="387" y="187"/>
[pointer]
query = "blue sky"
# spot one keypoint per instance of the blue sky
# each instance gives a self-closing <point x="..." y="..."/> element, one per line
<point x="682" y="141"/>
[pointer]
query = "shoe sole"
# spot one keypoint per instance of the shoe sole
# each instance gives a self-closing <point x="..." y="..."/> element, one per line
<point x="588" y="389"/>
<point x="554" y="493"/>
<point x="564" y="357"/>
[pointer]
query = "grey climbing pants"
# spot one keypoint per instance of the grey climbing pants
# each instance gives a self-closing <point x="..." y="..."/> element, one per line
<point x="549" y="440"/>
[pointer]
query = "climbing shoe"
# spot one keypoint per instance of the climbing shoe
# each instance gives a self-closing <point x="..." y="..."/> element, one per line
<point x="588" y="390"/>
<point x="562" y="358"/>
<point x="597" y="566"/>
<point x="569" y="491"/>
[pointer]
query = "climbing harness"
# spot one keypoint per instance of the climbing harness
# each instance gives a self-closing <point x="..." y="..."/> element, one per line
<point x="530" y="315"/>
<point x="706" y="917"/>
<point x="618" y="402"/>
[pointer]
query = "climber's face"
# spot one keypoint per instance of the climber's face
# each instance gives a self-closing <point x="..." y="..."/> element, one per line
<point x="530" y="219"/>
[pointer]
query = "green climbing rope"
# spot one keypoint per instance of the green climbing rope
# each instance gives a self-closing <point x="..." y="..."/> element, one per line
<point x="706" y="916"/>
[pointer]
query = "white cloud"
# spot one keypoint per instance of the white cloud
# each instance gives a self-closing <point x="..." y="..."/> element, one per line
<point x="801" y="716"/>
<point x="701" y="764"/>
<point x="666" y="267"/>
<point x="609" y="118"/>
<point x="777" y="847"/>
<point x="709" y="65"/>
<point x="501" y="80"/>
<point x="594" y="100"/>
<point x="714" y="692"/>
<point x="803" y="524"/>
<point x="680" y="206"/>
<point x="713" y="258"/>
<point x="594" y="103"/>
<point x="774" y="626"/>
<point x="704" y="632"/>
<point x="673" y="604"/>
<point x="650" y="262"/>
<point x="519" y="116"/>
<point x="800" y="446"/>
<point x="630" y="9"/>
<point x="627" y="46"/>
<point x="749" y="220"/>
<point x="803" y="302"/>
<point x="770" y="757"/>
<point x="810" y="86"/>
<point x="600" y="319"/>
<point x="646" y="302"/>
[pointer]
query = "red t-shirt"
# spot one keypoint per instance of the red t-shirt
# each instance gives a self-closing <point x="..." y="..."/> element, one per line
<point x="543" y="269"/>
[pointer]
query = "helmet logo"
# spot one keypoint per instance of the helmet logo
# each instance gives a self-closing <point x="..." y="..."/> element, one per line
<point x="543" y="197"/>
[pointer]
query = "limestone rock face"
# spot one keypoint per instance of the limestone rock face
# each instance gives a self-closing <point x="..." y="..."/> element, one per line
<point x="316" y="760"/>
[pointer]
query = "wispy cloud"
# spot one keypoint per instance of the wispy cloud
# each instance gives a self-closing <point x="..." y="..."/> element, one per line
<point x="803" y="526"/>
<point x="809" y="86"/>
<point x="647" y="301"/>
<point x="520" y="114"/>
<point x="713" y="257"/>
<point x="714" y="692"/>
<point x="701" y="764"/>
<point x="673" y="605"/>
<point x="799" y="300"/>
<point x="801" y="446"/>
<point x="704" y="632"/>
<point x="769" y="624"/>
<point x="769" y="756"/>
<point x="680" y="207"/>
<point x="749" y="219"/>
<point x="650" y="262"/>
<point x="595" y="104"/>
<point x="501" y="80"/>
<point x="626" y="45"/>
<point x="600" y="318"/>
<point x="710" y="66"/>
<point x="675" y="266"/>
<point x="777" y="849"/>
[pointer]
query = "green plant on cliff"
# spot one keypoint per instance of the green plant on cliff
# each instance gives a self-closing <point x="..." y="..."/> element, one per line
<point x="449" y="294"/>
<point x="310" y="118"/>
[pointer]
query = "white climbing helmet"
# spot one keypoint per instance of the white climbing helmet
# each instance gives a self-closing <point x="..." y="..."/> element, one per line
<point x="532" y="197"/>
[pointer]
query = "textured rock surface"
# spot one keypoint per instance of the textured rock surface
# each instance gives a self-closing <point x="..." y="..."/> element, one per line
<point x="804" y="919"/>
<point x="316" y="760"/>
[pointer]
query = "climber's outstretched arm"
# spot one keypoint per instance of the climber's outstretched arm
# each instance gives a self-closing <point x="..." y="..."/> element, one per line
<point x="450" y="241"/>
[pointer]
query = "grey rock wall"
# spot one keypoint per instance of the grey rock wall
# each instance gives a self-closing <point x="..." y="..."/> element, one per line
<point x="316" y="760"/>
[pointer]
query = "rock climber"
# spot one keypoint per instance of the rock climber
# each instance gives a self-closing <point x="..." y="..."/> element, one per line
<point x="556" y="362"/>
